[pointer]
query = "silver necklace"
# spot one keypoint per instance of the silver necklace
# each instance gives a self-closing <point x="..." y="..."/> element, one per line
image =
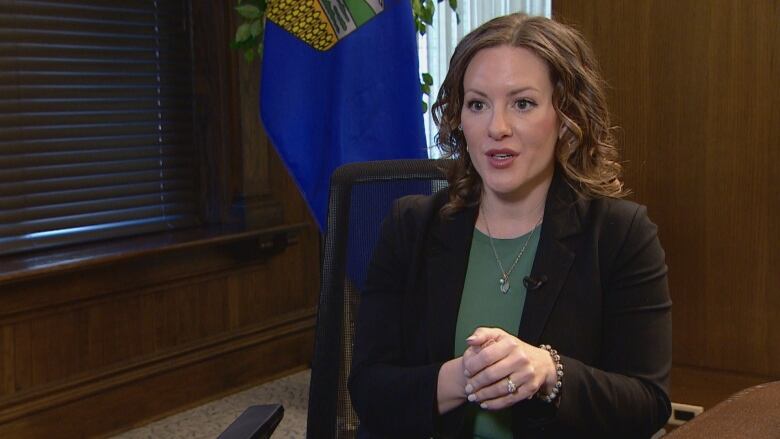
<point x="503" y="281"/>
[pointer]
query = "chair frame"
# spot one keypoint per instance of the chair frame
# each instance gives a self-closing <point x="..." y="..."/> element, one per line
<point x="326" y="380"/>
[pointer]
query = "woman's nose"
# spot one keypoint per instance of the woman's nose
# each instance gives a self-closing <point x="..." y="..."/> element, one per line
<point x="499" y="127"/>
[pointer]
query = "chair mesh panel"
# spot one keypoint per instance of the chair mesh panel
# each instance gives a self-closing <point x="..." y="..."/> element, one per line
<point x="361" y="195"/>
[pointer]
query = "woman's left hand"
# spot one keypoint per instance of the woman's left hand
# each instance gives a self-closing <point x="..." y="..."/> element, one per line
<point x="498" y="357"/>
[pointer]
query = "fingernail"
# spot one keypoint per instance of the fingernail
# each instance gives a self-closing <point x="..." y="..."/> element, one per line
<point x="469" y="388"/>
<point x="483" y="405"/>
<point x="472" y="338"/>
<point x="472" y="397"/>
<point x="466" y="372"/>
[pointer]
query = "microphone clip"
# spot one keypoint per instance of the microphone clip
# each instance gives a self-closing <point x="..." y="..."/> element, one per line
<point x="534" y="283"/>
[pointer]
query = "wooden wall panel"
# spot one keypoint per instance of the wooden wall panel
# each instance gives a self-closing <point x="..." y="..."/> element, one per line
<point x="8" y="352"/>
<point x="66" y="357"/>
<point x="694" y="92"/>
<point x="97" y="409"/>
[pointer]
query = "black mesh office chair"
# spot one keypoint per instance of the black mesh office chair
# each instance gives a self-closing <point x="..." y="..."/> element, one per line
<point x="361" y="195"/>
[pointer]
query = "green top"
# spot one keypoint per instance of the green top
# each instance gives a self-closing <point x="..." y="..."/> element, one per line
<point x="483" y="304"/>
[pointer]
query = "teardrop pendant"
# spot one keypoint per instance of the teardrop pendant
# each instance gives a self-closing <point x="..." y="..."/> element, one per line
<point x="504" y="285"/>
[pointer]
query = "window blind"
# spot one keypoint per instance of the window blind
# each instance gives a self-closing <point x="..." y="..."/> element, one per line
<point x="95" y="121"/>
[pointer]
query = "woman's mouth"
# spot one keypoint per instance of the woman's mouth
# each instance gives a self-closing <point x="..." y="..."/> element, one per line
<point x="500" y="159"/>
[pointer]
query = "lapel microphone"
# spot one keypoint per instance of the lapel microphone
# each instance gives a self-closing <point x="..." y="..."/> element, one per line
<point x="534" y="283"/>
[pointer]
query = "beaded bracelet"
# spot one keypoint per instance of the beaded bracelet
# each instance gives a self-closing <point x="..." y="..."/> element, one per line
<point x="550" y="397"/>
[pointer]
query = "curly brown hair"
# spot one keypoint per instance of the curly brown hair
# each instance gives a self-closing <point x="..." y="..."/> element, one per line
<point x="586" y="152"/>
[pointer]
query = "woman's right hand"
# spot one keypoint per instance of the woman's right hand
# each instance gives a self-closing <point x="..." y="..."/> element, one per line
<point x="502" y="357"/>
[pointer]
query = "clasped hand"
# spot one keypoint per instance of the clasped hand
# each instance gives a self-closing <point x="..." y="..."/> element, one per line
<point x="493" y="357"/>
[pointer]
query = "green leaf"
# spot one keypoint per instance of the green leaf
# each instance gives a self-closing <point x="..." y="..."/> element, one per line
<point x="454" y="4"/>
<point x="427" y="11"/>
<point x="249" y="55"/>
<point x="416" y="8"/>
<point x="426" y="89"/>
<point x="249" y="12"/>
<point x="427" y="79"/>
<point x="256" y="28"/>
<point x="249" y="43"/>
<point x="424" y="107"/>
<point x="243" y="32"/>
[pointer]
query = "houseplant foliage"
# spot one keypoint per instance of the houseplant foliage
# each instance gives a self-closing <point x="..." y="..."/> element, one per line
<point x="249" y="34"/>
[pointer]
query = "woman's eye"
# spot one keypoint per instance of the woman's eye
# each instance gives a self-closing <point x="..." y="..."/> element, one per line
<point x="475" y="105"/>
<point x="524" y="104"/>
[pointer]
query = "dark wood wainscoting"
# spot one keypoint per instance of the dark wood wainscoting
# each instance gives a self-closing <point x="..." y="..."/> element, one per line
<point x="91" y="351"/>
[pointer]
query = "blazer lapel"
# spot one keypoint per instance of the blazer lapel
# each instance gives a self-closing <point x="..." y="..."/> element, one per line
<point x="553" y="259"/>
<point x="447" y="252"/>
<point x="447" y="256"/>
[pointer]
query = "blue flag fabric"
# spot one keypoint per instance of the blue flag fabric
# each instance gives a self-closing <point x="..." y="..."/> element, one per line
<point x="339" y="85"/>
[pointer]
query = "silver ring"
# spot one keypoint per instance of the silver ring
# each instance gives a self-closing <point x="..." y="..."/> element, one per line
<point x="510" y="386"/>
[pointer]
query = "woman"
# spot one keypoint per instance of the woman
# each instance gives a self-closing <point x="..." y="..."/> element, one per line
<point x="528" y="299"/>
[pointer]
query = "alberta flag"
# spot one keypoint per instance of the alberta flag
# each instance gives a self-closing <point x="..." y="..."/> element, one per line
<point x="340" y="84"/>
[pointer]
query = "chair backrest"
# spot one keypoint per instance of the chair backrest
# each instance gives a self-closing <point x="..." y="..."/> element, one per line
<point x="361" y="195"/>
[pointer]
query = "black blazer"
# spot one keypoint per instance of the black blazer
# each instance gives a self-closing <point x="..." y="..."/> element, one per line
<point x="605" y="307"/>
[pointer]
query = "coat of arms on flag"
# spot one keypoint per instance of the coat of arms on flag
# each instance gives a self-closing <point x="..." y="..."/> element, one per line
<point x="340" y="85"/>
<point x="322" y="23"/>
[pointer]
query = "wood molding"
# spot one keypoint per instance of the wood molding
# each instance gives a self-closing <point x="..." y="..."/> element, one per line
<point x="215" y="115"/>
<point x="121" y="408"/>
<point x="38" y="310"/>
<point x="26" y="403"/>
<point x="18" y="301"/>
<point x="22" y="268"/>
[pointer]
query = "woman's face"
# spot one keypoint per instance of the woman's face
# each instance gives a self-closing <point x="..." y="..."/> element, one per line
<point x="509" y="122"/>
